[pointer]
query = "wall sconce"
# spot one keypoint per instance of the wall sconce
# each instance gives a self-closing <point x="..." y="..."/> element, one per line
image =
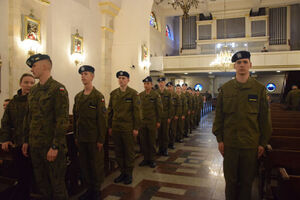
<point x="77" y="58"/>
<point x="31" y="46"/>
<point x="77" y="48"/>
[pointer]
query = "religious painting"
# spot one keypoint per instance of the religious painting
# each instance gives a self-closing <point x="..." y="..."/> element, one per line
<point x="77" y="44"/>
<point x="144" y="52"/>
<point x="31" y="28"/>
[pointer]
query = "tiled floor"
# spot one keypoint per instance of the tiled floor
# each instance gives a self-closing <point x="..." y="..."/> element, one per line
<point x="192" y="171"/>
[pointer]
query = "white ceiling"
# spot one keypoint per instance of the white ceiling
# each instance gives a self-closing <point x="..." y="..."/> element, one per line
<point x="210" y="6"/>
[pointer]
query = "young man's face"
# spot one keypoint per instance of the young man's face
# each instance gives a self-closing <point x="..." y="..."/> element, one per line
<point x="148" y="85"/>
<point x="184" y="88"/>
<point x="123" y="81"/>
<point x="26" y="84"/>
<point x="38" y="69"/>
<point x="87" y="77"/>
<point x="170" y="88"/>
<point x="242" y="66"/>
<point x="178" y="89"/>
<point x="161" y="84"/>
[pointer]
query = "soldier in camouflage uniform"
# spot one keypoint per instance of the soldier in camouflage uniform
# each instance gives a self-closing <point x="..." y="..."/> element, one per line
<point x="12" y="135"/>
<point x="200" y="106"/>
<point x="192" y="109"/>
<point x="181" y="113"/>
<point x="89" y="115"/>
<point x="176" y="104"/>
<point x="151" y="110"/>
<point x="124" y="120"/>
<point x="189" y="104"/>
<point x="293" y="98"/>
<point x="242" y="126"/>
<point x="163" y="131"/>
<point x="45" y="126"/>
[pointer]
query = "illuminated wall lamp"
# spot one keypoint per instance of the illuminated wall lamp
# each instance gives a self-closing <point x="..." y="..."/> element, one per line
<point x="77" y="58"/>
<point x="31" y="46"/>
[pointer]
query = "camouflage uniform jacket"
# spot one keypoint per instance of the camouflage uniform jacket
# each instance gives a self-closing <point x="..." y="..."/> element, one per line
<point x="89" y="114"/>
<point x="12" y="120"/>
<point x="47" y="117"/>
<point x="124" y="110"/>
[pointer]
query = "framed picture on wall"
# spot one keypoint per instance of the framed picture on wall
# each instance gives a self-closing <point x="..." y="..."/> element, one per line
<point x="144" y="52"/>
<point x="77" y="44"/>
<point x="31" y="28"/>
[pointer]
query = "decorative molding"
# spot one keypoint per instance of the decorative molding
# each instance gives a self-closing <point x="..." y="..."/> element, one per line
<point x="110" y="4"/>
<point x="43" y="2"/>
<point x="105" y="28"/>
<point x="109" y="12"/>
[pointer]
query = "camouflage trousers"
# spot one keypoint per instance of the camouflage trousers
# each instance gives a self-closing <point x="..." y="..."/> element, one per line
<point x="49" y="176"/>
<point x="91" y="164"/>
<point x="124" y="150"/>
<point x="148" y="134"/>
<point x="240" y="167"/>
<point x="179" y="128"/>
<point x="163" y="134"/>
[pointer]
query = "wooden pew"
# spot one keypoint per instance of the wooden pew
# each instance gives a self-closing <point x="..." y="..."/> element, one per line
<point x="285" y="143"/>
<point x="288" y="186"/>
<point x="291" y="132"/>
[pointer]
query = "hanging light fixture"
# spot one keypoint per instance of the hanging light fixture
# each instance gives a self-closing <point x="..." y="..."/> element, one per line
<point x="223" y="59"/>
<point x="185" y="5"/>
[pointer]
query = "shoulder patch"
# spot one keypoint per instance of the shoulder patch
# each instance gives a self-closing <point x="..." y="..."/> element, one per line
<point x="102" y="99"/>
<point x="61" y="89"/>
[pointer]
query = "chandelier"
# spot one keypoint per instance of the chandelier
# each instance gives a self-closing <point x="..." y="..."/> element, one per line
<point x="223" y="60"/>
<point x="185" y="5"/>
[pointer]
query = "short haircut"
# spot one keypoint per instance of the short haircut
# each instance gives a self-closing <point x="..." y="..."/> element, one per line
<point x="25" y="75"/>
<point x="7" y="100"/>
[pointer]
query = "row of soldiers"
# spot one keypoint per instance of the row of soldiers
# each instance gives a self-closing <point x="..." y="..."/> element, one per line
<point x="36" y="120"/>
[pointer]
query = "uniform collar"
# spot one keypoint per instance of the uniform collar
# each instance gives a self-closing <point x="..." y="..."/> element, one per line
<point x="47" y="84"/>
<point x="246" y="85"/>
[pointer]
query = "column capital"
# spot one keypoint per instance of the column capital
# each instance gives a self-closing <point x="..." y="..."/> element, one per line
<point x="109" y="8"/>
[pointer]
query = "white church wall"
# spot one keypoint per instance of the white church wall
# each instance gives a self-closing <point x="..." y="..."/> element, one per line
<point x="4" y="7"/>
<point x="59" y="20"/>
<point x="132" y="30"/>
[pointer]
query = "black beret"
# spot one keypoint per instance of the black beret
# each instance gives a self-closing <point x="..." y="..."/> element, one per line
<point x="189" y="88"/>
<point x="185" y="84"/>
<point x="178" y="85"/>
<point x="161" y="79"/>
<point x="148" y="79"/>
<point x="122" y="73"/>
<point x="169" y="84"/>
<point x="240" y="55"/>
<point x="37" y="57"/>
<point x="86" y="68"/>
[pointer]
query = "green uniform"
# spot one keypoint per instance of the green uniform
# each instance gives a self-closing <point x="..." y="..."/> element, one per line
<point x="177" y="107"/>
<point x="187" y="124"/>
<point x="151" y="110"/>
<point x="293" y="99"/>
<point x="12" y="120"/>
<point x="12" y="130"/>
<point x="89" y="114"/>
<point x="243" y="123"/>
<point x="124" y="117"/>
<point x="200" y="103"/>
<point x="163" y="131"/>
<point x="196" y="107"/>
<point x="45" y="125"/>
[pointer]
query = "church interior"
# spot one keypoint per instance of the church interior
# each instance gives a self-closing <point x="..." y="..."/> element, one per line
<point x="187" y="42"/>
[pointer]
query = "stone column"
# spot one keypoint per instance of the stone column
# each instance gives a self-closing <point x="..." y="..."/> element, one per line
<point x="109" y="11"/>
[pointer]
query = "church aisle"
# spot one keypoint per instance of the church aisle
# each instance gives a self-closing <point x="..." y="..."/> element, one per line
<point x="192" y="171"/>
